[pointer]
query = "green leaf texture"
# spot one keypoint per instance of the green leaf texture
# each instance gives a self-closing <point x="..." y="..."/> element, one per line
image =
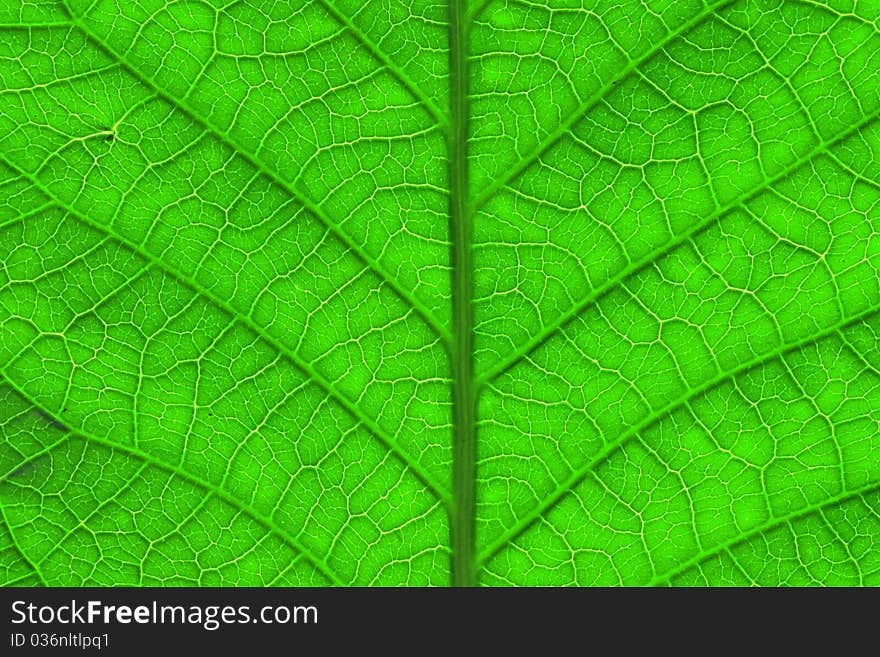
<point x="401" y="292"/>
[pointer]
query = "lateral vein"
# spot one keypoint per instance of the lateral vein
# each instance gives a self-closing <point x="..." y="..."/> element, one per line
<point x="248" y="321"/>
<point x="578" y="475"/>
<point x="303" y="198"/>
<point x="207" y="486"/>
<point x="692" y="231"/>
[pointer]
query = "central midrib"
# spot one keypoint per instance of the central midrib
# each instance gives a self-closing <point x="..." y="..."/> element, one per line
<point x="462" y="517"/>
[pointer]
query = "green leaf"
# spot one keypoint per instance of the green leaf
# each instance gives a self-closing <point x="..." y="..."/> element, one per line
<point x="497" y="292"/>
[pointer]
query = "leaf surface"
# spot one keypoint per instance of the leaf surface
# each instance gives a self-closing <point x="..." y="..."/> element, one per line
<point x="404" y="293"/>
